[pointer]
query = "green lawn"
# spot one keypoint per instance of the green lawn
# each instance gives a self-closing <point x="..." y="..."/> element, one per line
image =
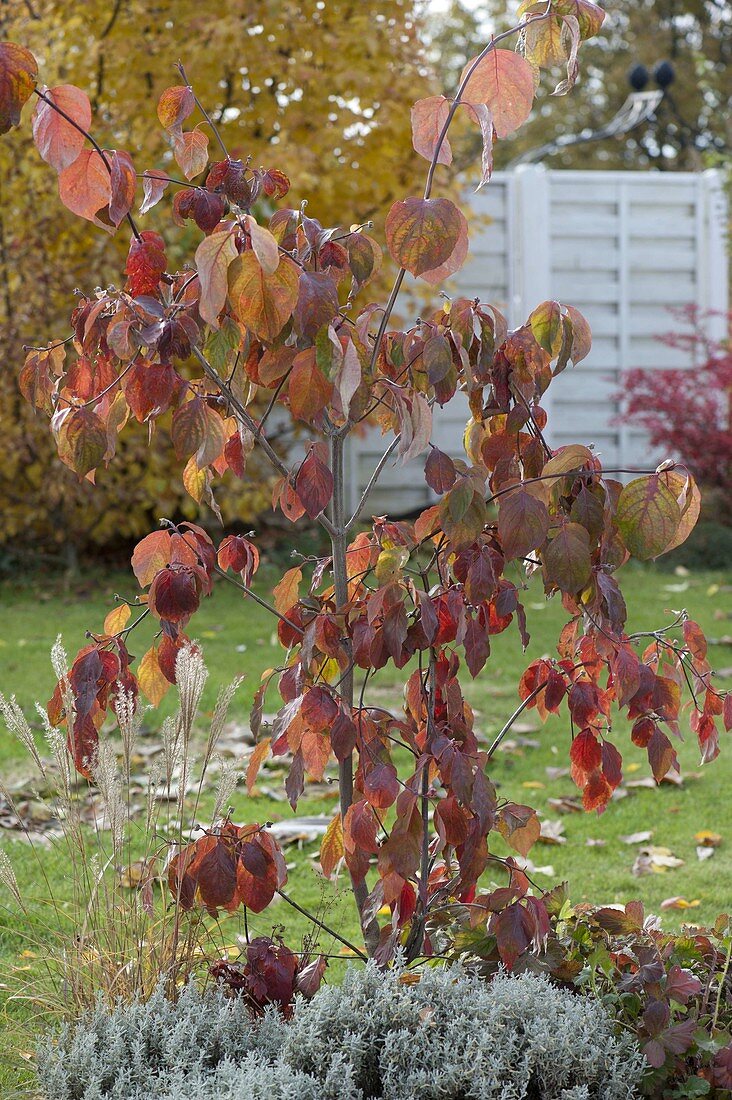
<point x="238" y="638"/>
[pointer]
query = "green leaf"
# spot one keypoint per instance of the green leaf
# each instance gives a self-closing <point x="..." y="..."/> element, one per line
<point x="648" y="516"/>
<point x="546" y="325"/>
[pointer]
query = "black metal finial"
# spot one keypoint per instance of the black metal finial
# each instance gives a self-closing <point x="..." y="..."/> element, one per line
<point x="638" y="77"/>
<point x="665" y="74"/>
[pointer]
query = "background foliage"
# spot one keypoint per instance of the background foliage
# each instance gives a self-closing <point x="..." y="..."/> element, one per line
<point x="126" y="54"/>
<point x="693" y="129"/>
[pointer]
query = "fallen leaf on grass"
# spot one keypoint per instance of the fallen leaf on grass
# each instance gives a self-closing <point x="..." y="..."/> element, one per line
<point x="703" y="853"/>
<point x="637" y="838"/>
<point x="566" y="805"/>
<point x="708" y="839"/>
<point x="680" y="903"/>
<point x="551" y="833"/>
<point x="556" y="773"/>
<point x="648" y="780"/>
<point x="593" y="842"/>
<point x="533" y="785"/>
<point x="654" y="860"/>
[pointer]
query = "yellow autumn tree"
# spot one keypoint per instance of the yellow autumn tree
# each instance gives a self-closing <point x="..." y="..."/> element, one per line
<point x="317" y="90"/>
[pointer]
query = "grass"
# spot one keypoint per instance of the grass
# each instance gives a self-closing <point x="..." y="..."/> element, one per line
<point x="238" y="639"/>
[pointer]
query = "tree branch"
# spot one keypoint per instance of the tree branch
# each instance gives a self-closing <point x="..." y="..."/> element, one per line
<point x="248" y="420"/>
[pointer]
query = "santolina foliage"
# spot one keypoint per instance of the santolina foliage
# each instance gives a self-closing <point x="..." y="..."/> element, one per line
<point x="278" y="310"/>
<point x="432" y="1033"/>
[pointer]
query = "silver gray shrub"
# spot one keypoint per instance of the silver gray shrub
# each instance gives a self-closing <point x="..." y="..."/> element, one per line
<point x="133" y="1051"/>
<point x="453" y="1037"/>
<point x="448" y="1036"/>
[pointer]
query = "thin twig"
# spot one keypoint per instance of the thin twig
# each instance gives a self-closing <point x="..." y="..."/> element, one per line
<point x="330" y="931"/>
<point x="373" y="479"/>
<point x="203" y="110"/>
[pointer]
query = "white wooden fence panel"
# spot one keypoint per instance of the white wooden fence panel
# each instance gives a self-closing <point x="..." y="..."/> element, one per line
<point x="622" y="247"/>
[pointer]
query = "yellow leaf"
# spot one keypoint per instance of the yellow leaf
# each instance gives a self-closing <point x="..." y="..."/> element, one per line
<point x="117" y="619"/>
<point x="331" y="849"/>
<point x="533" y="785"/>
<point x="708" y="838"/>
<point x="152" y="680"/>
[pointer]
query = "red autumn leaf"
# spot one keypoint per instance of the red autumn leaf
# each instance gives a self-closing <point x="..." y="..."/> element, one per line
<point x="275" y="184"/>
<point x="216" y="873"/>
<point x="523" y="524"/>
<point x="174" y="594"/>
<point x="681" y="984"/>
<point x="504" y="81"/>
<point x="317" y="302"/>
<point x="661" y="755"/>
<point x="85" y="187"/>
<point x="439" y="471"/>
<point x="314" y="484"/>
<point x="239" y="554"/>
<point x="381" y="786"/>
<point x="694" y="640"/>
<point x="82" y="440"/>
<point x="205" y="208"/>
<point x="597" y="792"/>
<point x="149" y="388"/>
<point x="58" y="142"/>
<point x="122" y="185"/>
<point x="723" y="1068"/>
<point x="428" y="118"/>
<point x="513" y="931"/>
<point x="422" y="234"/>
<point x="556" y="689"/>
<point x="168" y="651"/>
<point x="18" y="72"/>
<point x="477" y="646"/>
<point x="727" y="712"/>
<point x="198" y="430"/>
<point x="82" y="741"/>
<point x="566" y="558"/>
<point x="213" y="257"/>
<point x="642" y="732"/>
<point x="361" y="828"/>
<point x="612" y="764"/>
<point x="260" y="870"/>
<point x="146" y="262"/>
<point x="626" y="673"/>
<point x="585" y="756"/>
<point x="84" y="678"/>
<point x="584" y="702"/>
<point x="151" y="555"/>
<point x="191" y="152"/>
<point x="308" y="388"/>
